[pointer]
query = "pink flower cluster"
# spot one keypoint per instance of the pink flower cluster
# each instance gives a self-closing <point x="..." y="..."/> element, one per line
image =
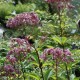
<point x="16" y="54"/>
<point x="52" y="1"/>
<point x="61" y="3"/>
<point x="57" y="53"/>
<point x="9" y="68"/>
<point x="19" y="50"/>
<point x="27" y="18"/>
<point x="22" y="43"/>
<point x="11" y="59"/>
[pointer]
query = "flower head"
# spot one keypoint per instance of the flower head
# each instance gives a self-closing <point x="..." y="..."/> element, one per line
<point x="61" y="4"/>
<point x="11" y="59"/>
<point x="9" y="68"/>
<point x="27" y="18"/>
<point x="19" y="50"/>
<point x="52" y="1"/>
<point x="57" y="54"/>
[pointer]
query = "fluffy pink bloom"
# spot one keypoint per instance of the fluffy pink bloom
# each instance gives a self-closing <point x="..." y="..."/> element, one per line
<point x="19" y="50"/>
<point x="11" y="59"/>
<point x="47" y="52"/>
<point x="67" y="52"/>
<point x="20" y="43"/>
<point x="57" y="53"/>
<point x="52" y="1"/>
<point x="43" y="56"/>
<point x="9" y="68"/>
<point x="27" y="18"/>
<point x="61" y="4"/>
<point x="17" y="54"/>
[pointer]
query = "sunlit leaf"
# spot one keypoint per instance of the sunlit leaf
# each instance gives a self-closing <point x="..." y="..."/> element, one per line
<point x="48" y="74"/>
<point x="33" y="75"/>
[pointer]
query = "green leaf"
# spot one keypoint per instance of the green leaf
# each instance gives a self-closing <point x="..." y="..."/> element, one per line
<point x="33" y="75"/>
<point x="72" y="77"/>
<point x="60" y="40"/>
<point x="34" y="56"/>
<point x="2" y="59"/>
<point x="31" y="64"/>
<point x="49" y="46"/>
<point x="47" y="64"/>
<point x="64" y="39"/>
<point x="34" y="63"/>
<point x="57" y="39"/>
<point x="48" y="74"/>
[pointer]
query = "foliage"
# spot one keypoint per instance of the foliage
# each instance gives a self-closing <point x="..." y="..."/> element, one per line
<point x="47" y="51"/>
<point x="5" y="9"/>
<point x="25" y="8"/>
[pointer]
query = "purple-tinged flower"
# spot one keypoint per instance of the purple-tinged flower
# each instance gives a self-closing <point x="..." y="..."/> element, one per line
<point x="43" y="56"/>
<point x="47" y="52"/>
<point x="67" y="52"/>
<point x="11" y="59"/>
<point x="19" y="49"/>
<point x="9" y="68"/>
<point x="27" y="18"/>
<point x="61" y="4"/>
<point x="57" y="54"/>
<point x="20" y="43"/>
<point x="52" y="1"/>
<point x="10" y="52"/>
<point x="17" y="52"/>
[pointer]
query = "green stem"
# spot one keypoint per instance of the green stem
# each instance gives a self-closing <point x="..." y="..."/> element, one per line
<point x="7" y="77"/>
<point x="18" y="71"/>
<point x="68" y="78"/>
<point x="40" y="64"/>
<point x="61" y="30"/>
<point x="22" y="68"/>
<point x="56" y="70"/>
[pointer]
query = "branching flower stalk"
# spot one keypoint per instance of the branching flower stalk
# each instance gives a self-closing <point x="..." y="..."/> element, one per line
<point x="40" y="64"/>
<point x="61" y="30"/>
<point x="58" y="55"/>
<point x="67" y="72"/>
<point x="17" y="55"/>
